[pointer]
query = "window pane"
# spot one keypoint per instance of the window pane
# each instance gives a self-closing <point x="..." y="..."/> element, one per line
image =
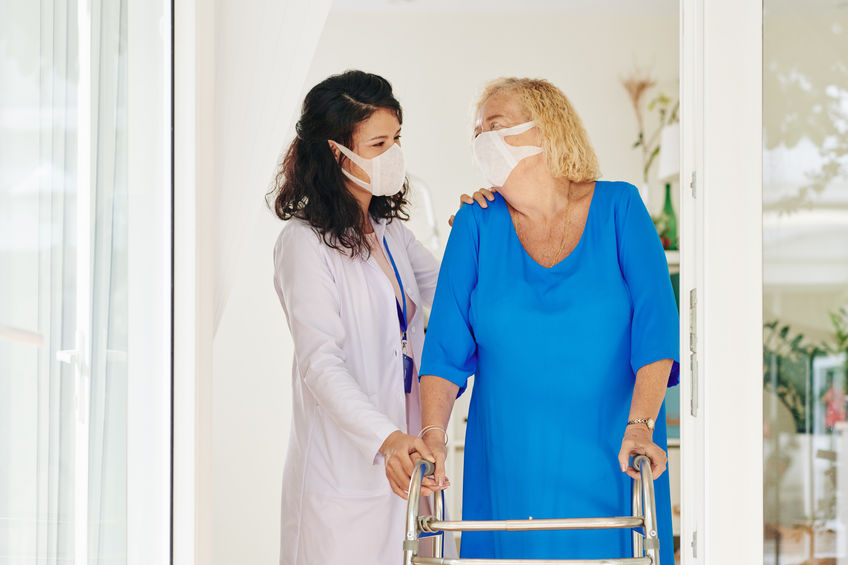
<point x="805" y="278"/>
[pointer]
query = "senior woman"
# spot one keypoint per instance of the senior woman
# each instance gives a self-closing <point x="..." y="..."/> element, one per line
<point x="557" y="298"/>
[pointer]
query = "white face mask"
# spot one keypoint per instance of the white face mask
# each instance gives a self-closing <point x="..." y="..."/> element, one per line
<point x="386" y="171"/>
<point x="496" y="158"/>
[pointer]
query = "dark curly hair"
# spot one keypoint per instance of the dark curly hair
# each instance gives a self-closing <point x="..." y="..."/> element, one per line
<point x="309" y="183"/>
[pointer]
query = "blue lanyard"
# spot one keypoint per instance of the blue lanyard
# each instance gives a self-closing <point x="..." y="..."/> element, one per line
<point x="401" y="313"/>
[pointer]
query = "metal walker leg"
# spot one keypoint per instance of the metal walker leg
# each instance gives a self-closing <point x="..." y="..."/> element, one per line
<point x="646" y="545"/>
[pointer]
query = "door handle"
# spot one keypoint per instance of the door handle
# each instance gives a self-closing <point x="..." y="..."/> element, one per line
<point x="78" y="360"/>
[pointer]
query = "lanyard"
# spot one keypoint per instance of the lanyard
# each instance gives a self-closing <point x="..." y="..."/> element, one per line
<point x="401" y="313"/>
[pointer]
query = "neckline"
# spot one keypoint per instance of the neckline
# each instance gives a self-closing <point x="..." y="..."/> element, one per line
<point x="573" y="252"/>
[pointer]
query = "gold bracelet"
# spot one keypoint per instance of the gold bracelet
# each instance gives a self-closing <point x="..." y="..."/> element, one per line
<point x="429" y="428"/>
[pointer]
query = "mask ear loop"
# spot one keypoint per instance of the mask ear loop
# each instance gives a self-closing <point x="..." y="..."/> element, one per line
<point x="360" y="162"/>
<point x="515" y="153"/>
<point x="517" y="129"/>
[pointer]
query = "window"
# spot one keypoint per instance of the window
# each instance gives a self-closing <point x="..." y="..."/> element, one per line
<point x="85" y="305"/>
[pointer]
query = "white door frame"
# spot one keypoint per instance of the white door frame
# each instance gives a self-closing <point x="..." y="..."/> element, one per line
<point x="149" y="234"/>
<point x="721" y="217"/>
<point x="193" y="138"/>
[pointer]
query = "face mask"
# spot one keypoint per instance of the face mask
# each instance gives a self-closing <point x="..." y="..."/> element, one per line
<point x="496" y="158"/>
<point x="386" y="171"/>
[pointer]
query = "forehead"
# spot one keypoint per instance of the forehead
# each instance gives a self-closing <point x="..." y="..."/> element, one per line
<point x="382" y="122"/>
<point x="503" y="103"/>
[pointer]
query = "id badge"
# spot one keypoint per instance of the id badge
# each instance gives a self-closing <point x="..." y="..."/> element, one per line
<point x="408" y="367"/>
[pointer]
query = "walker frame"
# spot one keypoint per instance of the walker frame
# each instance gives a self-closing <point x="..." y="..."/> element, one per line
<point x="643" y="522"/>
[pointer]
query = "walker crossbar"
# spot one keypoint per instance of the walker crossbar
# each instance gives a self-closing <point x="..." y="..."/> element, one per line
<point x="625" y="561"/>
<point x="646" y="546"/>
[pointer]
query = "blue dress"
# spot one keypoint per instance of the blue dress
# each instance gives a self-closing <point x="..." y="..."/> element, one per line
<point x="554" y="352"/>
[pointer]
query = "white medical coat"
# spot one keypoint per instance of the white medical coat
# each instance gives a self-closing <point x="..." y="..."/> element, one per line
<point x="347" y="385"/>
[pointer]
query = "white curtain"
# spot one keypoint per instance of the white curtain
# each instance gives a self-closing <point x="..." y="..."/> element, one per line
<point x="63" y="282"/>
<point x="263" y="51"/>
<point x="107" y="467"/>
<point x="38" y="167"/>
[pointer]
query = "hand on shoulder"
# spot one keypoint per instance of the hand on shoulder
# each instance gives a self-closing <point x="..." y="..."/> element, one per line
<point x="481" y="196"/>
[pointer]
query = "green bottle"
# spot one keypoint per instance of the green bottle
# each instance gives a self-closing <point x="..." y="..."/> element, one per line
<point x="671" y="219"/>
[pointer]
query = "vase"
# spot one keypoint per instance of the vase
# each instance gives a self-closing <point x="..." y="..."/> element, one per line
<point x="671" y="219"/>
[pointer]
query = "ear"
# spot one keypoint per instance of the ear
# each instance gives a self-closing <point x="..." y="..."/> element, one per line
<point x="537" y="136"/>
<point x="335" y="149"/>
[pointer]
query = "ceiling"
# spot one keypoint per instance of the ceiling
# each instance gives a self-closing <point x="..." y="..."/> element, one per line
<point x="652" y="8"/>
<point x="617" y="7"/>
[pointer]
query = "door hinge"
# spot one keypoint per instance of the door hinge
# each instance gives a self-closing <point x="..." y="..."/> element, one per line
<point x="692" y="184"/>
<point x="694" y="543"/>
<point x="693" y="351"/>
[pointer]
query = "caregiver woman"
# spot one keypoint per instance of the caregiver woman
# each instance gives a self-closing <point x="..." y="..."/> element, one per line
<point x="353" y="283"/>
<point x="557" y="298"/>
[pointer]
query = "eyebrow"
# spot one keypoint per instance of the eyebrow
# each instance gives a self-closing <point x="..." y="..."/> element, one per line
<point x="383" y="136"/>
<point x="490" y="118"/>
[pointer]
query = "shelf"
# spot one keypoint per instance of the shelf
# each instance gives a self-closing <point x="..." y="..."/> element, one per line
<point x="673" y="258"/>
<point x="673" y="442"/>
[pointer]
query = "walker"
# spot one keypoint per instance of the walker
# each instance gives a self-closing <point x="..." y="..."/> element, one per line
<point x="646" y="545"/>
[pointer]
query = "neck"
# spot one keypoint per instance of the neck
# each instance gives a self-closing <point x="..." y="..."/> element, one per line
<point x="363" y="198"/>
<point x="538" y="196"/>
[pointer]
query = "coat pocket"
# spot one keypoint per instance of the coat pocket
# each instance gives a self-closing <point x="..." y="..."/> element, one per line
<point x="338" y="466"/>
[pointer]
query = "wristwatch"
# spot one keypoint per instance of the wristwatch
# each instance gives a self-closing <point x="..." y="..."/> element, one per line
<point x="647" y="421"/>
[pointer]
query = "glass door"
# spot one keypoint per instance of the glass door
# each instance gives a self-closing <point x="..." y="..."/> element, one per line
<point x="805" y="282"/>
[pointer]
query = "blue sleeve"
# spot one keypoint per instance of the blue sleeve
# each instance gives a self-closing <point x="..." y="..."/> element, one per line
<point x="654" y="327"/>
<point x="450" y="351"/>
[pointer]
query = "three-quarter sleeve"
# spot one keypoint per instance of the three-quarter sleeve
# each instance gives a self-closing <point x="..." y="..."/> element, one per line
<point x="654" y="332"/>
<point x="450" y="351"/>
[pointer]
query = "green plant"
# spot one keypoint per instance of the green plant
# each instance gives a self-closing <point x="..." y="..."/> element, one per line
<point x="787" y="364"/>
<point x="636" y="85"/>
<point x="668" y="114"/>
<point x="786" y="359"/>
<point x="839" y="321"/>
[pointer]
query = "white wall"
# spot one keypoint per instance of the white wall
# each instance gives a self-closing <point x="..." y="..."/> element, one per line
<point x="437" y="64"/>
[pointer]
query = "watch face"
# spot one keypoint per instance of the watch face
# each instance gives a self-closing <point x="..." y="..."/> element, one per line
<point x="650" y="423"/>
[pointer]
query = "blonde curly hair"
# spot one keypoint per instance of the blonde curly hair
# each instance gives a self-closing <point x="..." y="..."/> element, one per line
<point x="565" y="142"/>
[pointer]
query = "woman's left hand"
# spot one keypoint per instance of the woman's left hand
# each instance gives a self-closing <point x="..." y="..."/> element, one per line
<point x="481" y="196"/>
<point x="638" y="441"/>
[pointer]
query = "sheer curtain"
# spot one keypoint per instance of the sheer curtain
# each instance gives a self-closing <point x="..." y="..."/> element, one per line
<point x="68" y="341"/>
<point x="264" y="49"/>
<point x="107" y="502"/>
<point x="38" y="315"/>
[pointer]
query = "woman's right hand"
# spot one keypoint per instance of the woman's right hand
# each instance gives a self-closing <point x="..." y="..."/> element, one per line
<point x="399" y="451"/>
<point x="435" y="442"/>
<point x="482" y="197"/>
